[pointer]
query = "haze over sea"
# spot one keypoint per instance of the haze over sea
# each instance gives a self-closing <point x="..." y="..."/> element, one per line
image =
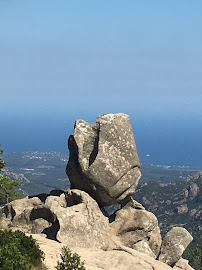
<point x="67" y="60"/>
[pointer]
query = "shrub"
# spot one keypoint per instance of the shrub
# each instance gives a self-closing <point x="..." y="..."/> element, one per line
<point x="70" y="261"/>
<point x="7" y="187"/>
<point x="195" y="257"/>
<point x="18" y="251"/>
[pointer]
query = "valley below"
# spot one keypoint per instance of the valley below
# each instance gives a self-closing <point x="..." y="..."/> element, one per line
<point x="173" y="194"/>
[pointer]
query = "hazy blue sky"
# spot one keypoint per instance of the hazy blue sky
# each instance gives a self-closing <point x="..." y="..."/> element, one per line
<point x="67" y="59"/>
<point x="101" y="56"/>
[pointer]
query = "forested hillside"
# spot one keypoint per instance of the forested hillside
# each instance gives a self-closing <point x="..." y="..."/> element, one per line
<point x="175" y="203"/>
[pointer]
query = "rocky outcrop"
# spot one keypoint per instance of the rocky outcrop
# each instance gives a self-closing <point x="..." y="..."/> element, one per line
<point x="174" y="244"/>
<point x="71" y="217"/>
<point x="103" y="159"/>
<point x="193" y="190"/>
<point x="138" y="229"/>
<point x="96" y="259"/>
<point x="15" y="176"/>
<point x="104" y="167"/>
<point x="182" y="264"/>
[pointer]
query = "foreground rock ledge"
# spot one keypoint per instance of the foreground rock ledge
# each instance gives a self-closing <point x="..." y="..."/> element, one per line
<point x="103" y="159"/>
<point x="121" y="258"/>
<point x="73" y="218"/>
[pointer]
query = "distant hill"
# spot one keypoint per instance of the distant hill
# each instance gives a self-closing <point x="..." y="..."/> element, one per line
<point x="173" y="194"/>
<point x="178" y="203"/>
<point x="43" y="170"/>
<point x="46" y="171"/>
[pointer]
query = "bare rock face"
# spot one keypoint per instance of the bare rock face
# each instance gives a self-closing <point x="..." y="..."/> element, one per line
<point x="103" y="159"/>
<point x="121" y="258"/>
<point x="138" y="229"/>
<point x="82" y="223"/>
<point x="12" y="212"/>
<point x="174" y="244"/>
<point x="182" y="264"/>
<point x="72" y="218"/>
<point x="193" y="190"/>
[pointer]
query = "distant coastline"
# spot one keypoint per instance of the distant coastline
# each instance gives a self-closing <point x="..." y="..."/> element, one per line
<point x="159" y="142"/>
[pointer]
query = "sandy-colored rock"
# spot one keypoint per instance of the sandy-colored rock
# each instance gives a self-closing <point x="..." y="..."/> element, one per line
<point x="174" y="244"/>
<point x="193" y="190"/>
<point x="103" y="158"/>
<point x="143" y="246"/>
<point x="72" y="217"/>
<point x="182" y="264"/>
<point x="11" y="213"/>
<point x="81" y="222"/>
<point x="96" y="259"/>
<point x="182" y="209"/>
<point x="138" y="229"/>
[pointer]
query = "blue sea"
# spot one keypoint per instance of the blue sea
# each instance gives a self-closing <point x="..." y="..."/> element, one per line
<point x="161" y="140"/>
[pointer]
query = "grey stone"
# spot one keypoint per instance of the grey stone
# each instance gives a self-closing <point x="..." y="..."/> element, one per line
<point x="81" y="222"/>
<point x="182" y="264"/>
<point x="133" y="225"/>
<point x="134" y="204"/>
<point x="73" y="218"/>
<point x="143" y="246"/>
<point x="174" y="244"/>
<point x="103" y="159"/>
<point x="121" y="258"/>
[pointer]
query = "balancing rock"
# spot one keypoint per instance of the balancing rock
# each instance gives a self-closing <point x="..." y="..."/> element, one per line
<point x="103" y="159"/>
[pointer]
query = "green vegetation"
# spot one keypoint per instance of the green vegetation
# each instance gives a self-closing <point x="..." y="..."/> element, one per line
<point x="165" y="174"/>
<point x="70" y="261"/>
<point x="7" y="190"/>
<point x="174" y="204"/>
<point x="2" y="162"/>
<point x="195" y="257"/>
<point x="7" y="187"/>
<point x="45" y="170"/>
<point x="18" y="251"/>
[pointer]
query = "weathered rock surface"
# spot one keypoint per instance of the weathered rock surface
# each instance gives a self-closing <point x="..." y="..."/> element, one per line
<point x="173" y="245"/>
<point x="182" y="264"/>
<point x="138" y="229"/>
<point x="193" y="190"/>
<point x="103" y="158"/>
<point x="96" y="259"/>
<point x="72" y="218"/>
<point x="13" y="211"/>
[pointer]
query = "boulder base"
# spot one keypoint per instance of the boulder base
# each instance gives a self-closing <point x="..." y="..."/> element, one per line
<point x="138" y="229"/>
<point x="174" y="244"/>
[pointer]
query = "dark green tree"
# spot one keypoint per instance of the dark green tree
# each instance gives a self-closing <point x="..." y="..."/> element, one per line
<point x="18" y="251"/>
<point x="195" y="257"/>
<point x="70" y="261"/>
<point x="7" y="187"/>
<point x="2" y="163"/>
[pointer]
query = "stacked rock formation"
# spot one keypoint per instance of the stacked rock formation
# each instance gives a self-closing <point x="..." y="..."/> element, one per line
<point x="103" y="169"/>
<point x="103" y="159"/>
